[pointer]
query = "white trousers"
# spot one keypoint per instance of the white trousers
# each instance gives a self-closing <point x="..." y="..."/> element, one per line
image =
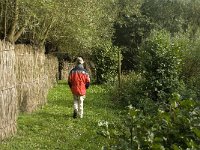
<point x="78" y="104"/>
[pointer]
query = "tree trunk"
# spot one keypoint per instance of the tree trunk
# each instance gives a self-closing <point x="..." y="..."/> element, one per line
<point x="14" y="35"/>
<point x="19" y="33"/>
<point x="1" y="8"/>
<point x="1" y="18"/>
<point x="46" y="32"/>
<point x="11" y="33"/>
<point x="5" y="20"/>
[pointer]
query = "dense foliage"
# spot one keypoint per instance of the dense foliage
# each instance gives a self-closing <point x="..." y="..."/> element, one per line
<point x="79" y="27"/>
<point x="159" y="44"/>
<point x="105" y="59"/>
<point x="133" y="28"/>
<point x="160" y="64"/>
<point x="169" y="124"/>
<point x="70" y="25"/>
<point x="164" y="126"/>
<point x="190" y="66"/>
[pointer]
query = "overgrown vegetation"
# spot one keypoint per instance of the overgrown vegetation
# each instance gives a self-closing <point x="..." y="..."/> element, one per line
<point x="158" y="126"/>
<point x="159" y="42"/>
<point x="162" y="102"/>
<point x="106" y="61"/>
<point x="160" y="64"/>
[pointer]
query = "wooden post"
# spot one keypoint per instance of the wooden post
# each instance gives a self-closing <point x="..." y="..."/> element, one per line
<point x="119" y="71"/>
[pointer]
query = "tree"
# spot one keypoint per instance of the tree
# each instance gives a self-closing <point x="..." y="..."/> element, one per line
<point x="130" y="30"/>
<point x="10" y="28"/>
<point x="68" y="24"/>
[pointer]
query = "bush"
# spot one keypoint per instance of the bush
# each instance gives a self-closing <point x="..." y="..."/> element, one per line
<point x="105" y="59"/>
<point x="130" y="91"/>
<point x="191" y="64"/>
<point x="173" y="126"/>
<point x="160" y="64"/>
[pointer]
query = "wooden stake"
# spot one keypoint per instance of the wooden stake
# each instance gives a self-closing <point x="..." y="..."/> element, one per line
<point x="119" y="71"/>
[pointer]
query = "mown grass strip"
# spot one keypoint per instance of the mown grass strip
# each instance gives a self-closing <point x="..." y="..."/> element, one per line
<point x="52" y="127"/>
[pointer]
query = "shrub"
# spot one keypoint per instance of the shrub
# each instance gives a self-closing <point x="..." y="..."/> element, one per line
<point x="160" y="64"/>
<point x="131" y="89"/>
<point x="105" y="59"/>
<point x="173" y="126"/>
<point x="191" y="65"/>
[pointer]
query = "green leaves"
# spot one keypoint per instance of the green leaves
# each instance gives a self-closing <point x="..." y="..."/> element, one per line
<point x="196" y="131"/>
<point x="176" y="128"/>
<point x="160" y="61"/>
<point x="105" y="58"/>
<point x="70" y="25"/>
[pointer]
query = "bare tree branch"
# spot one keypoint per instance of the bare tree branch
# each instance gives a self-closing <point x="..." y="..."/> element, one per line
<point x="46" y="33"/>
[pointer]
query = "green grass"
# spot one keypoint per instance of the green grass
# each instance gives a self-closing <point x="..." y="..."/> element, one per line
<point x="53" y="128"/>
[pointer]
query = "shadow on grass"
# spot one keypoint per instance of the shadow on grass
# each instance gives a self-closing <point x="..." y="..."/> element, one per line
<point x="62" y="102"/>
<point x="102" y="100"/>
<point x="54" y="116"/>
<point x="62" y="82"/>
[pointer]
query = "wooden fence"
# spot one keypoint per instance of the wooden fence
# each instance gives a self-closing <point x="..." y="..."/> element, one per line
<point x="35" y="73"/>
<point x="8" y="92"/>
<point x="66" y="69"/>
<point x="26" y="75"/>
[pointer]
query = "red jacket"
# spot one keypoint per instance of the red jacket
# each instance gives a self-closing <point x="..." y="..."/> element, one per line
<point x="79" y="80"/>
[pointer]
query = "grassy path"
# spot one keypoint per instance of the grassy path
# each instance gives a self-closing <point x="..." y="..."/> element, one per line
<point x="53" y="128"/>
